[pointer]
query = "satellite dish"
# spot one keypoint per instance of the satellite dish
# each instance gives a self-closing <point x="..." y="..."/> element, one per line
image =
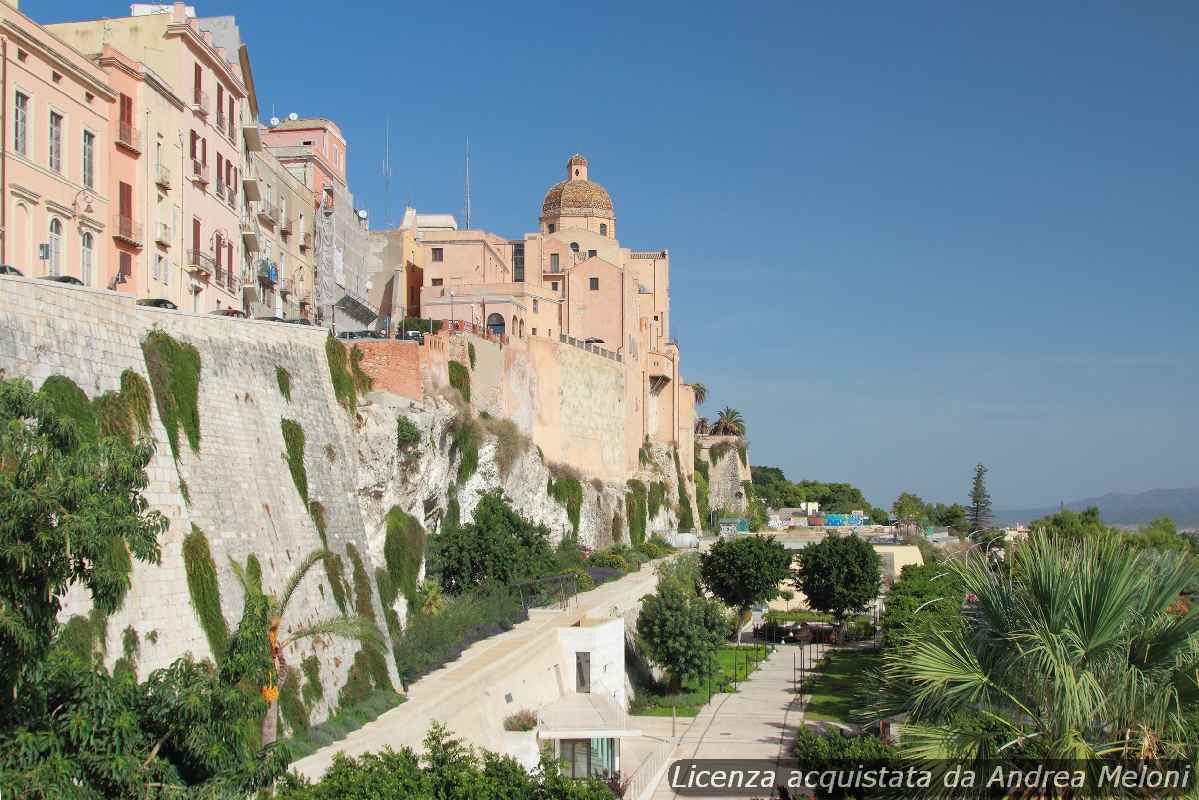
<point x="362" y="213"/>
<point x="293" y="116"/>
<point x="274" y="121"/>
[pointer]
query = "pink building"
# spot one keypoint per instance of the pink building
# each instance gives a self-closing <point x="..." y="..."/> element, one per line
<point x="54" y="169"/>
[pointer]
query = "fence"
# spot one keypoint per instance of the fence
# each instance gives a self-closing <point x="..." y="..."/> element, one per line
<point x="602" y="352"/>
<point x="459" y="326"/>
<point x="643" y="781"/>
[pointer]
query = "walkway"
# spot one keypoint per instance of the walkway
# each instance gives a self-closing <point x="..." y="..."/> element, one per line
<point x="758" y="721"/>
<point x="452" y="693"/>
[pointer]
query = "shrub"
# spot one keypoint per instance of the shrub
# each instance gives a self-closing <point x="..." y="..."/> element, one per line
<point x="291" y="704"/>
<point x="368" y="672"/>
<point x="831" y="750"/>
<point x="523" y="720"/>
<point x="344" y="387"/>
<point x="637" y="509"/>
<point x="422" y="325"/>
<point x="686" y="518"/>
<point x="205" y="591"/>
<point x="460" y="380"/>
<point x="174" y="370"/>
<point x="465" y="435"/>
<point x="569" y="493"/>
<point x="347" y="719"/>
<point x="499" y="546"/>
<point x="403" y="552"/>
<point x="293" y="438"/>
<point x="607" y="559"/>
<point x="362" y="382"/>
<point x="657" y="498"/>
<point x="510" y="445"/>
<point x="283" y="377"/>
<point x="407" y="433"/>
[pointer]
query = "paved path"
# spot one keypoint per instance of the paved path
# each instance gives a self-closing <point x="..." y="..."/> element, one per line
<point x="758" y="721"/>
<point x="452" y="691"/>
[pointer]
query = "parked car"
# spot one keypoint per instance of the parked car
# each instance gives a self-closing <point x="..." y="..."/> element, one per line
<point x="68" y="279"/>
<point x="411" y="336"/>
<point x="158" y="302"/>
<point x="354" y="335"/>
<point x="298" y="321"/>
<point x="270" y="319"/>
<point x="229" y="312"/>
<point x="5" y="269"/>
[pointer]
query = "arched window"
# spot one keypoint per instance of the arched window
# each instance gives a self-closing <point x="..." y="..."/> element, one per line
<point x="55" y="246"/>
<point x="515" y="330"/>
<point x="603" y="229"/>
<point x="522" y="329"/>
<point x="87" y="258"/>
<point x="495" y="324"/>
<point x="574" y="247"/>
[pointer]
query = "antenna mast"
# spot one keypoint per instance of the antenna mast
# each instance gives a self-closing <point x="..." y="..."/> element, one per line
<point x="466" y="209"/>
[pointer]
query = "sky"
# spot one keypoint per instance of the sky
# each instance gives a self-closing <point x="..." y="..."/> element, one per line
<point x="905" y="238"/>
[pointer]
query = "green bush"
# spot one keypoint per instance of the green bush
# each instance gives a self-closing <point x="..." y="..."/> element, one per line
<point x="608" y="559"/>
<point x="637" y="510"/>
<point x="465" y="436"/>
<point x="337" y="727"/>
<point x="831" y="750"/>
<point x="344" y="387"/>
<point x="293" y="438"/>
<point x="205" y="591"/>
<point x="569" y="493"/>
<point x="460" y="380"/>
<point x="283" y="377"/>
<point x="510" y="443"/>
<point x="403" y="552"/>
<point x="407" y="433"/>
<point x="523" y="720"/>
<point x="498" y="546"/>
<point x="657" y="498"/>
<point x="422" y="325"/>
<point x="174" y="370"/>
<point x="69" y="401"/>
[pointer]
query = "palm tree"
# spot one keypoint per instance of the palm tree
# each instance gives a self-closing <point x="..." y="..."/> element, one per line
<point x="702" y="426"/>
<point x="701" y="393"/>
<point x="1070" y="650"/>
<point x="729" y="422"/>
<point x="355" y="627"/>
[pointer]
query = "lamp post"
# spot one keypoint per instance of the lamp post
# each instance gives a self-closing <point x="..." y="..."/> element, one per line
<point x="451" y="311"/>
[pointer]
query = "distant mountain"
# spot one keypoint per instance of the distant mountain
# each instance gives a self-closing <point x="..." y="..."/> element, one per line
<point x="1126" y="509"/>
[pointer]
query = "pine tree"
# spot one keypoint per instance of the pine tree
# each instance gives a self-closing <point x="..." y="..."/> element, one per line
<point x="979" y="515"/>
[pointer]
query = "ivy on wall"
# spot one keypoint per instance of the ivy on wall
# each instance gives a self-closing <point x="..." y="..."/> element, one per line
<point x="636" y="509"/>
<point x="686" y="518"/>
<point x="174" y="369"/>
<point x="470" y="352"/>
<point x="86" y="636"/>
<point x="465" y="436"/>
<point x="568" y="491"/>
<point x="293" y="439"/>
<point x="657" y="498"/>
<point x="403" y="552"/>
<point x="291" y="704"/>
<point x="125" y="413"/>
<point x="344" y="387"/>
<point x="283" y="378"/>
<point x="460" y="379"/>
<point x="205" y="591"/>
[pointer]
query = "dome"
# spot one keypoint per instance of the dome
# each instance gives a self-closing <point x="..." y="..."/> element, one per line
<point x="576" y="196"/>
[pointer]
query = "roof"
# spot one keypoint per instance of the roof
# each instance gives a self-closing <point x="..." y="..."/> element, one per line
<point x="584" y="716"/>
<point x="577" y="196"/>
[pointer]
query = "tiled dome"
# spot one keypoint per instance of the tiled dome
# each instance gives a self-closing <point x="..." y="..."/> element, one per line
<point x="576" y="196"/>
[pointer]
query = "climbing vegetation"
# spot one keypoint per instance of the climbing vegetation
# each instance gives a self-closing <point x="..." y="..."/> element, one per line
<point x="403" y="552"/>
<point x="568" y="491"/>
<point x="205" y="592"/>
<point x="460" y="380"/>
<point x="657" y="498"/>
<point x="293" y="438"/>
<point x="686" y="518"/>
<point x="636" y="504"/>
<point x="174" y="369"/>
<point x="363" y="383"/>
<point x="283" y="377"/>
<point x="407" y="434"/>
<point x="344" y="386"/>
<point x="464" y="432"/>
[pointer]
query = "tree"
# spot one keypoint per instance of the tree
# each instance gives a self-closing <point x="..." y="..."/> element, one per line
<point x="951" y="516"/>
<point x="1075" y="526"/>
<point x="1071" y="650"/>
<point x="360" y="628"/>
<point x="701" y="393"/>
<point x="681" y="632"/>
<point x="925" y="596"/>
<point x="1160" y="534"/>
<point x="839" y="575"/>
<point x="499" y="545"/>
<point x="979" y="516"/>
<point x="71" y="512"/>
<point x="909" y="509"/>
<point x="702" y="426"/>
<point x="745" y="571"/>
<point x="729" y="422"/>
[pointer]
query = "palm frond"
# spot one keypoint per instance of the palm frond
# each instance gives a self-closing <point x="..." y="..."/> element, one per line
<point x="360" y="629"/>
<point x="293" y="582"/>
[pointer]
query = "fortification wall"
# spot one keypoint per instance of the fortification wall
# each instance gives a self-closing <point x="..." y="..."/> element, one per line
<point x="726" y="472"/>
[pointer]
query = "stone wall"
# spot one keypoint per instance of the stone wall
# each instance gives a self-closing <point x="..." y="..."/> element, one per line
<point x="726" y="471"/>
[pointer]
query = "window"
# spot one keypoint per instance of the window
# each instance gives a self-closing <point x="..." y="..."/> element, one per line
<point x="158" y="266"/>
<point x="56" y="141"/>
<point x="126" y="268"/>
<point x="551" y="227"/>
<point x="594" y="284"/>
<point x="534" y="305"/>
<point x="592" y="253"/>
<point x="55" y="246"/>
<point x="87" y="257"/>
<point x="438" y="254"/>
<point x="583" y="672"/>
<point x="195" y="145"/>
<point x="198" y="93"/>
<point x="437" y="281"/>
<point x="518" y="262"/>
<point x="574" y="247"/>
<point x="534" y="331"/>
<point x="89" y="159"/>
<point x="554" y="265"/>
<point x="21" y="124"/>
<point x="554" y="286"/>
<point x="603" y="229"/>
<point x="588" y="758"/>
<point x="166" y="269"/>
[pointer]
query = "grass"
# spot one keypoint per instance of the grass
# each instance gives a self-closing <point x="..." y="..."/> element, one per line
<point x="733" y="665"/>
<point x="293" y="437"/>
<point x="835" y="689"/>
<point x="460" y="380"/>
<point x="345" y="721"/>
<point x="174" y="370"/>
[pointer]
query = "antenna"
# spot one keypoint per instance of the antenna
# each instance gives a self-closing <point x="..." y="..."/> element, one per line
<point x="466" y="210"/>
<point x="387" y="176"/>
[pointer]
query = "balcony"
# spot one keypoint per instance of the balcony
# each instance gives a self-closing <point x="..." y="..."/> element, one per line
<point x="164" y="177"/>
<point x="127" y="230"/>
<point x="199" y="264"/>
<point x="251" y="188"/>
<point x="252" y="135"/>
<point x="660" y="369"/>
<point x="220" y="187"/>
<point x="285" y="226"/>
<point x="129" y="137"/>
<point x="306" y="241"/>
<point x="231" y="195"/>
<point x="268" y="272"/>
<point x="268" y="214"/>
<point x="200" y="102"/>
<point x="249" y="235"/>
<point x="220" y="121"/>
<point x="163" y="234"/>
<point x="199" y="172"/>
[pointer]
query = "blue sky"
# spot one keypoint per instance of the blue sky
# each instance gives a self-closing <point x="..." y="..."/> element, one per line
<point x="905" y="238"/>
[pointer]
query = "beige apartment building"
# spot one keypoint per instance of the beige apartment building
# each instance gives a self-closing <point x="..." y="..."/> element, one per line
<point x="171" y="44"/>
<point x="277" y="233"/>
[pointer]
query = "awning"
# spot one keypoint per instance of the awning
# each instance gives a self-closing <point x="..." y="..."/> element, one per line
<point x="584" y="716"/>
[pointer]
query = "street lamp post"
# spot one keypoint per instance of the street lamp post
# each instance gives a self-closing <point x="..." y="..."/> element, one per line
<point x="452" y="325"/>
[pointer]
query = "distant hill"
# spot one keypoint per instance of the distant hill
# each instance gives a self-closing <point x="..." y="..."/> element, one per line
<point x="1126" y="509"/>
